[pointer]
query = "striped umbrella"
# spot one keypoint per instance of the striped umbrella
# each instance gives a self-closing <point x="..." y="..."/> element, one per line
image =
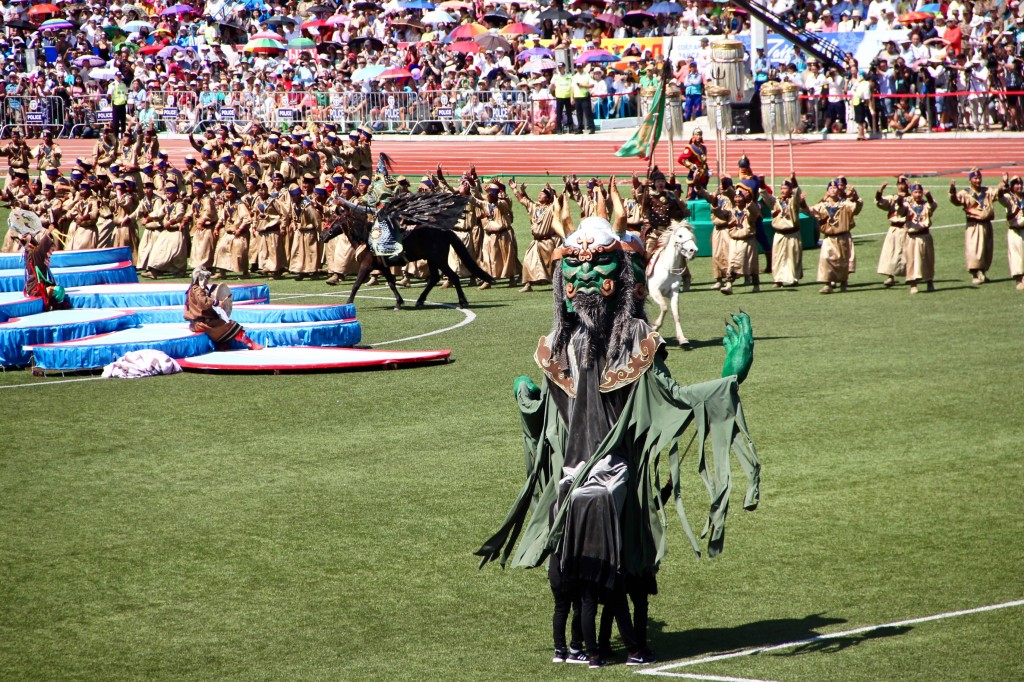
<point x="538" y="65"/>
<point x="519" y="28"/>
<point x="55" y="25"/>
<point x="269" y="35"/>
<point x="264" y="46"/>
<point x="467" y="32"/>
<point x="301" y="44"/>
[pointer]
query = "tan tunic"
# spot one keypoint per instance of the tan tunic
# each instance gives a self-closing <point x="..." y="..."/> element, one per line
<point x="720" y="241"/>
<point x="835" y="216"/>
<point x="201" y="219"/>
<point x="304" y="257"/>
<point x="468" y="230"/>
<point x="125" y="229"/>
<point x="742" y="230"/>
<point x="918" y="250"/>
<point x="891" y="261"/>
<point x="979" y="208"/>
<point x="84" y="235"/>
<point x="272" y="218"/>
<point x="47" y="157"/>
<point x="787" y="249"/>
<point x="1014" y="231"/>
<point x="232" y="251"/>
<point x="537" y="261"/>
<point x="167" y="247"/>
<point x="499" y="254"/>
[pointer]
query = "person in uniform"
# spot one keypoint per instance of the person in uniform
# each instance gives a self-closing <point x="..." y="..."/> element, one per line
<point x="125" y="228"/>
<point x="467" y="228"/>
<point x="595" y="202"/>
<point x="342" y="259"/>
<point x="890" y="261"/>
<point x="660" y="207"/>
<point x="720" y="240"/>
<point x="232" y="251"/>
<point x="86" y="214"/>
<point x="16" y="194"/>
<point x="163" y="249"/>
<point x="787" y="248"/>
<point x="547" y="216"/>
<point x="499" y="253"/>
<point x="201" y="222"/>
<point x="695" y="158"/>
<point x="271" y="218"/>
<point x="304" y="257"/>
<point x="105" y="151"/>
<point x="17" y="153"/>
<point x="918" y="250"/>
<point x="978" y="203"/>
<point x="1011" y="195"/>
<point x="835" y="214"/>
<point x="741" y="220"/>
<point x="46" y="153"/>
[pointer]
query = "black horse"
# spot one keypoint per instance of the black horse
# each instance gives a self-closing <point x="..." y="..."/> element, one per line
<point x="422" y="243"/>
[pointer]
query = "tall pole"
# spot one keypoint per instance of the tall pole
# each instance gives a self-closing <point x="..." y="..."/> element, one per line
<point x="771" y="122"/>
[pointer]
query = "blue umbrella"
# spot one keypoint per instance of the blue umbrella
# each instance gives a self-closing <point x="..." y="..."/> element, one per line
<point x="417" y="4"/>
<point x="368" y="73"/>
<point x="933" y="8"/>
<point x="666" y="8"/>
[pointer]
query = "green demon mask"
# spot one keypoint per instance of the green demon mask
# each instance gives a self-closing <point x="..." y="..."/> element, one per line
<point x="592" y="261"/>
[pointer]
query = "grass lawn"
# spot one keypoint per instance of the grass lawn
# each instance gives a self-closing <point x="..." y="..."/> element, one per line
<point x="202" y="527"/>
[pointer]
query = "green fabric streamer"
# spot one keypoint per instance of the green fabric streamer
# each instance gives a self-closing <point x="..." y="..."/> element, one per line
<point x="646" y="137"/>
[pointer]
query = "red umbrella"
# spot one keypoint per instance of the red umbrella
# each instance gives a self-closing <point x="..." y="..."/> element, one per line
<point x="316" y="23"/>
<point x="150" y="49"/>
<point x="464" y="46"/>
<point x="610" y="19"/>
<point x="914" y="17"/>
<point x="467" y="32"/>
<point x="45" y="8"/>
<point x="519" y="28"/>
<point x="394" y="74"/>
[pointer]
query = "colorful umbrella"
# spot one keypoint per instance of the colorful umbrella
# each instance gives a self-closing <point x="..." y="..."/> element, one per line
<point x="490" y="41"/>
<point x="89" y="60"/>
<point x="269" y="35"/>
<point x="637" y="18"/>
<point x="264" y="46"/>
<point x="538" y="65"/>
<point x="368" y="73"/>
<point x="137" y="26"/>
<point x="665" y="8"/>
<point x="596" y="56"/>
<point x="534" y="52"/>
<point x="179" y="9"/>
<point x="914" y="17"/>
<point x="519" y="29"/>
<point x="55" y="25"/>
<point x="465" y="47"/>
<point x="301" y="44"/>
<point x="394" y="74"/>
<point x="42" y="9"/>
<point x="610" y="19"/>
<point x="467" y="32"/>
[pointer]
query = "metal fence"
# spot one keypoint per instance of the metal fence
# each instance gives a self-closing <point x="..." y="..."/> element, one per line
<point x="494" y="112"/>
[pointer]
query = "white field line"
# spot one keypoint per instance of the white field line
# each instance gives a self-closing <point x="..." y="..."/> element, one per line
<point x="50" y="383"/>
<point x="666" y="669"/>
<point x="713" y="678"/>
<point x="934" y="227"/>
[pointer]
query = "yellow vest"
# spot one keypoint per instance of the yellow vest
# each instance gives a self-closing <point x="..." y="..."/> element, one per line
<point x="120" y="94"/>
<point x="563" y="86"/>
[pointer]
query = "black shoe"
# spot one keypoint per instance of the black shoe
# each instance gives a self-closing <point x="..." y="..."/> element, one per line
<point x="597" y="662"/>
<point x="560" y="656"/>
<point x="576" y="656"/>
<point x="640" y="659"/>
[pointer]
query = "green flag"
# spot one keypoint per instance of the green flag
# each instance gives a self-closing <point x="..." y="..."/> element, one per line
<point x="646" y="136"/>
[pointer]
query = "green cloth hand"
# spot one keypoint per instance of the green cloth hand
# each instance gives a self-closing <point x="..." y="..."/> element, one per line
<point x="525" y="382"/>
<point x="739" y="347"/>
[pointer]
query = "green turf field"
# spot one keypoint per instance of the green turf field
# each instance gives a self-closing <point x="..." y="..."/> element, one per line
<point x="321" y="527"/>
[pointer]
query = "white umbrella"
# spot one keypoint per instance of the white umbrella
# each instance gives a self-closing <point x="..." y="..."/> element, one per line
<point x="437" y="16"/>
<point x="103" y="74"/>
<point x="538" y="65"/>
<point x="368" y="73"/>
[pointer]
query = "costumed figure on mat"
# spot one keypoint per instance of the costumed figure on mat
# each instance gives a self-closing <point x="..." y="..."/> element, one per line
<point x="594" y="432"/>
<point x="204" y="313"/>
<point x="695" y="158"/>
<point x="890" y="260"/>
<point x="1011" y="195"/>
<point x="39" y="279"/>
<point x="978" y="203"/>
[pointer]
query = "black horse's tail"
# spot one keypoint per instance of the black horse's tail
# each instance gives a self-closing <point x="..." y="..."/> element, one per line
<point x="467" y="258"/>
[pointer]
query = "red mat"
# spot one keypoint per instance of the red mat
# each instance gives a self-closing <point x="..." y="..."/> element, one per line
<point x="305" y="359"/>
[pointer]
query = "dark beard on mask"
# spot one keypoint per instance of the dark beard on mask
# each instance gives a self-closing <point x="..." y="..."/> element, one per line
<point x="595" y="326"/>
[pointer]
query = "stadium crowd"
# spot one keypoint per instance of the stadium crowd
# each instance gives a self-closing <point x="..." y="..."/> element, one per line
<point x="482" y="67"/>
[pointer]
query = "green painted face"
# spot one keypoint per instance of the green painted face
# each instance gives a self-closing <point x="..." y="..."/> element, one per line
<point x="598" y="274"/>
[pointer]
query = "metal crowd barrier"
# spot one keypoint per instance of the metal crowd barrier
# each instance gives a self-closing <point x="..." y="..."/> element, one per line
<point x="32" y="115"/>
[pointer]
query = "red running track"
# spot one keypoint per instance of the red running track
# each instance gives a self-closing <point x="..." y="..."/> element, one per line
<point x="595" y="156"/>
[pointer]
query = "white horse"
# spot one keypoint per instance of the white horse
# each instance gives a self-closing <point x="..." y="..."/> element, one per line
<point x="666" y="269"/>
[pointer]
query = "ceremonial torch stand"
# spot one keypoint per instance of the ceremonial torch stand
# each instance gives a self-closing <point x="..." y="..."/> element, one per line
<point x="720" y="121"/>
<point x="771" y="116"/>
<point x="791" y="115"/>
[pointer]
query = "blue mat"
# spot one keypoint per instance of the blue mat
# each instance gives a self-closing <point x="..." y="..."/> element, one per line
<point x="153" y="295"/>
<point x="258" y="314"/>
<point x="338" y="334"/>
<point x="14" y="304"/>
<point x="70" y="259"/>
<point x="174" y="339"/>
<point x="79" y="276"/>
<point x="54" y="327"/>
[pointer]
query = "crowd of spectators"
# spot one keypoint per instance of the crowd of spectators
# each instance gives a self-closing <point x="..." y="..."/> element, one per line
<point x="399" y="67"/>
